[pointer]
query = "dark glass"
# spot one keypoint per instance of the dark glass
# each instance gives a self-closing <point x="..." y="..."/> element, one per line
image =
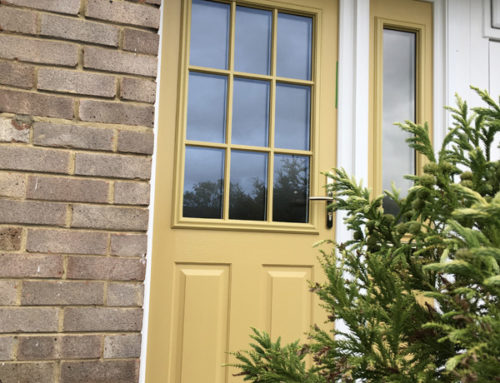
<point x="209" y="34"/>
<point x="252" y="47"/>
<point x="203" y="182"/>
<point x="291" y="188"/>
<point x="398" y="159"/>
<point x="294" y="46"/>
<point x="206" y="119"/>
<point x="293" y="116"/>
<point x="248" y="188"/>
<point x="250" y="112"/>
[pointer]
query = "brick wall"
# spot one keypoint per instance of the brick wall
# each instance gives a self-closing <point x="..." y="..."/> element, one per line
<point x="77" y="88"/>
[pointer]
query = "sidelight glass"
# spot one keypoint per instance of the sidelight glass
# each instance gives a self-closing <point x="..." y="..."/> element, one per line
<point x="209" y="34"/>
<point x="252" y="40"/>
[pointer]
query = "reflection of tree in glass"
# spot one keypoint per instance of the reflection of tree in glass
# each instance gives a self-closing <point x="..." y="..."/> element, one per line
<point x="291" y="189"/>
<point x="204" y="200"/>
<point x="248" y="205"/>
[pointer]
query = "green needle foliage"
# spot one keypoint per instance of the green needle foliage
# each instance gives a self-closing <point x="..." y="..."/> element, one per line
<point x="419" y="291"/>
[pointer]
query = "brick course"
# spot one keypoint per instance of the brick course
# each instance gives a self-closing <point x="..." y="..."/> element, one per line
<point x="77" y="94"/>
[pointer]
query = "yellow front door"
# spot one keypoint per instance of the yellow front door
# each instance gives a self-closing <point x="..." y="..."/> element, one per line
<point x="246" y="124"/>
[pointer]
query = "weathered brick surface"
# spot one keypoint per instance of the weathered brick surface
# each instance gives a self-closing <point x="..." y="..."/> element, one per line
<point x="102" y="319"/>
<point x="67" y="6"/>
<point x="125" y="294"/>
<point x="129" y="245"/>
<point x="66" y="241"/>
<point x="68" y="81"/>
<point x="32" y="212"/>
<point x="138" y="41"/>
<point x="29" y="319"/>
<point x="115" y="166"/>
<point x="67" y="189"/>
<point x="27" y="372"/>
<point x="79" y="30"/>
<point x="120" y="62"/>
<point x="123" y="371"/>
<point x="72" y="136"/>
<point x="40" y="160"/>
<point x="116" y="112"/>
<point x="81" y="346"/>
<point x="122" y="346"/>
<point x="6" y="347"/>
<point x="38" y="51"/>
<point x="10" y="131"/>
<point x="8" y="294"/>
<point x="10" y="238"/>
<point x="17" y="20"/>
<point x="30" y="266"/>
<point x="36" y="104"/>
<point x="37" y="347"/>
<point x="124" y="12"/>
<point x="136" y="89"/>
<point x="131" y="193"/>
<point x="135" y="142"/>
<point x="109" y="217"/>
<point x="107" y="268"/>
<point x="17" y="74"/>
<point x="44" y="293"/>
<point x="12" y="184"/>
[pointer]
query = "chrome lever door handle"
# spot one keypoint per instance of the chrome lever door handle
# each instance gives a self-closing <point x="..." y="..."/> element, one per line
<point x="321" y="198"/>
<point x="329" y="213"/>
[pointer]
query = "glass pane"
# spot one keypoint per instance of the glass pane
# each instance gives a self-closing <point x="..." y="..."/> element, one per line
<point x="206" y="107"/>
<point x="253" y="40"/>
<point x="209" y="34"/>
<point x="398" y="105"/>
<point x="203" y="182"/>
<point x="294" y="46"/>
<point x="247" y="198"/>
<point x="250" y="112"/>
<point x="291" y="188"/>
<point x="293" y="108"/>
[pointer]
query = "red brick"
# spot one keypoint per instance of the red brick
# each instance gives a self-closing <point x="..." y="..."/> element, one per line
<point x="38" y="51"/>
<point x="72" y="136"/>
<point x="69" y="28"/>
<point x="32" y="212"/>
<point x="129" y="245"/>
<point x="35" y="104"/>
<point x="125" y="294"/>
<point x="138" y="41"/>
<point x="110" y="165"/>
<point x="44" y="293"/>
<point x="28" y="319"/>
<point x="70" y="81"/>
<point x="10" y="131"/>
<point x="106" y="268"/>
<point x="124" y="12"/>
<point x="30" y="266"/>
<point x="8" y="295"/>
<point x="33" y="159"/>
<point x="131" y="193"/>
<point x="135" y="142"/>
<point x="10" y="238"/>
<point x="81" y="346"/>
<point x="17" y="20"/>
<point x="122" y="346"/>
<point x="111" y="60"/>
<point x="27" y="372"/>
<point x="67" y="189"/>
<point x="12" y="184"/>
<point x="67" y="6"/>
<point x="110" y="217"/>
<point x="17" y="74"/>
<point x="7" y="347"/>
<point x="66" y="241"/>
<point x="37" y="347"/>
<point x="136" y="89"/>
<point x="102" y="319"/>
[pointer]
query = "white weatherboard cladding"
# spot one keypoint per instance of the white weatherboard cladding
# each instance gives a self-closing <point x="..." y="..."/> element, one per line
<point x="495" y="84"/>
<point x="495" y="13"/>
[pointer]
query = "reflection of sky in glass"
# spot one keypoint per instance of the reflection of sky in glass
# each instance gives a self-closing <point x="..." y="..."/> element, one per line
<point x="209" y="34"/>
<point x="203" y="175"/>
<point x="291" y="188"/>
<point x="250" y="112"/>
<point x="294" y="46"/>
<point x="252" y="47"/>
<point x="398" y="105"/>
<point x="248" y="185"/>
<point x="206" y="107"/>
<point x="293" y="105"/>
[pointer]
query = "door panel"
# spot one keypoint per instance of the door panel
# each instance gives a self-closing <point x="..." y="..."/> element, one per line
<point x="214" y="278"/>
